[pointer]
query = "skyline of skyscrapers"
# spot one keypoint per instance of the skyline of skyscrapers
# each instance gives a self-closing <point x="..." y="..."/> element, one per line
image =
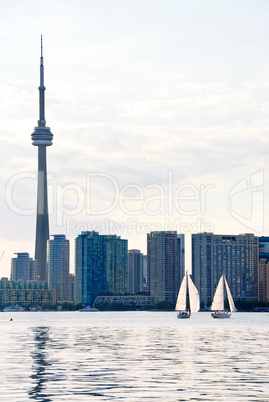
<point x="102" y="260"/>
<point x="104" y="266"/>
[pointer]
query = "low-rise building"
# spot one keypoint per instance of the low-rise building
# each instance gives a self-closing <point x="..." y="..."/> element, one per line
<point x="26" y="293"/>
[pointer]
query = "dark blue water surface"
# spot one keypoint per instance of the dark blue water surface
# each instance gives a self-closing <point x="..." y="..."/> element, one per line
<point x="133" y="356"/>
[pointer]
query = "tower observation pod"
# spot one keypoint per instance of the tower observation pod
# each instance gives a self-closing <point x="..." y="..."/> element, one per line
<point x="42" y="138"/>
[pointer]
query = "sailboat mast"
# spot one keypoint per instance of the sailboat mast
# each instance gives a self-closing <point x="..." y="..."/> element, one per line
<point x="187" y="293"/>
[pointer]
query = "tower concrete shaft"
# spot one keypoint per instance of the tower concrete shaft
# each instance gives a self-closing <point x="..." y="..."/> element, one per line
<point x="42" y="137"/>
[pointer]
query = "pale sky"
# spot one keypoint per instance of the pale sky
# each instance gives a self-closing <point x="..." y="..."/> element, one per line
<point x="160" y="116"/>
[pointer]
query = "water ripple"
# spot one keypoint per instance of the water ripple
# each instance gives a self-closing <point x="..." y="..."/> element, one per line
<point x="133" y="357"/>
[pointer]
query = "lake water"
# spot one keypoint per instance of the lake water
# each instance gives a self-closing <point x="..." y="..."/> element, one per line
<point x="133" y="356"/>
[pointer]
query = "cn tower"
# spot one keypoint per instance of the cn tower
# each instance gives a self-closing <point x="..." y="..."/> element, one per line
<point x="42" y="138"/>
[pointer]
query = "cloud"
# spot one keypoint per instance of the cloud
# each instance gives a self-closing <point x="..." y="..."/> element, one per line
<point x="135" y="91"/>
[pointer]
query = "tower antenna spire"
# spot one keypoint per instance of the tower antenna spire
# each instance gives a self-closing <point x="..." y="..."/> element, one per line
<point x="42" y="88"/>
<point x="41" y="47"/>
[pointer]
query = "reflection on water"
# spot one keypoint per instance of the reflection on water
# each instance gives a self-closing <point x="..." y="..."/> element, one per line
<point x="134" y="357"/>
<point x="40" y="363"/>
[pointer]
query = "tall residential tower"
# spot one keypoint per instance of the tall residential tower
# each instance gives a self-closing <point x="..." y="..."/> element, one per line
<point x="101" y="266"/>
<point x="58" y="267"/>
<point x="135" y="271"/>
<point x="236" y="256"/>
<point x="163" y="275"/>
<point x="42" y="138"/>
<point x="23" y="268"/>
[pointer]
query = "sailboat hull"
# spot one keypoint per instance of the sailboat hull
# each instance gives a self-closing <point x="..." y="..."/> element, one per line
<point x="221" y="314"/>
<point x="184" y="314"/>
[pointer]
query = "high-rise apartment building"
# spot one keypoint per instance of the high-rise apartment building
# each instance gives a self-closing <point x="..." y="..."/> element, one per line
<point x="181" y="256"/>
<point x="264" y="269"/>
<point x="117" y="264"/>
<point x="236" y="256"/>
<point x="101" y="266"/>
<point x="145" y="273"/>
<point x="71" y="288"/>
<point x="58" y="266"/>
<point x="42" y="138"/>
<point x="135" y="271"/>
<point x="163" y="275"/>
<point x="90" y="267"/>
<point x="23" y="268"/>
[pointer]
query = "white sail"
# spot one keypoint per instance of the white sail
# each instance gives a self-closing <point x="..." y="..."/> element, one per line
<point x="194" y="296"/>
<point x="182" y="295"/>
<point x="230" y="297"/>
<point x="187" y="285"/>
<point x="218" y="300"/>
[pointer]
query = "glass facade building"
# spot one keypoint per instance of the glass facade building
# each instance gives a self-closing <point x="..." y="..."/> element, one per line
<point x="101" y="266"/>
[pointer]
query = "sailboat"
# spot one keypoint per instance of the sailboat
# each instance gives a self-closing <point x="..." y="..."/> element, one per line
<point x="218" y="300"/>
<point x="188" y="299"/>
